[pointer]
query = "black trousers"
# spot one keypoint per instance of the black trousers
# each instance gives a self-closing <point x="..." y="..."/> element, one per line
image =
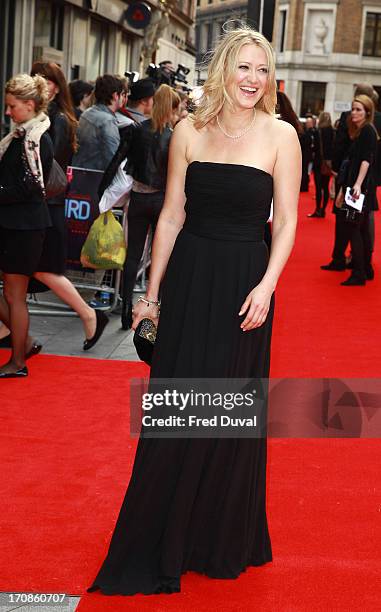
<point x="143" y="213"/>
<point x="321" y="187"/>
<point x="359" y="236"/>
<point x="318" y="184"/>
<point x="325" y="189"/>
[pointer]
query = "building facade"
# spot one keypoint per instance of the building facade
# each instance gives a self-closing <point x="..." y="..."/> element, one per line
<point x="324" y="48"/>
<point x="90" y="37"/>
<point x="213" y="16"/>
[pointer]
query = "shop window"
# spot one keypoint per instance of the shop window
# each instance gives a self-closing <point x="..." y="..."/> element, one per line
<point x="124" y="55"/>
<point x="282" y="30"/>
<point x="97" y="50"/>
<point x="49" y="22"/>
<point x="372" y="35"/>
<point x="313" y="98"/>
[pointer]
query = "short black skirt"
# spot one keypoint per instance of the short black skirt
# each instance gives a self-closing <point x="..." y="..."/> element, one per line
<point x="20" y="250"/>
<point x="53" y="257"/>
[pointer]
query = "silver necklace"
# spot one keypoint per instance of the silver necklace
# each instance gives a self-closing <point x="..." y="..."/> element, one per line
<point x="249" y="127"/>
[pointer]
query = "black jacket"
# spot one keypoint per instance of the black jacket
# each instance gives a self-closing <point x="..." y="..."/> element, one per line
<point x="312" y="144"/>
<point x="22" y="204"/>
<point x="364" y="148"/>
<point x="59" y="132"/>
<point x="342" y="142"/>
<point x="147" y="156"/>
<point x="327" y="137"/>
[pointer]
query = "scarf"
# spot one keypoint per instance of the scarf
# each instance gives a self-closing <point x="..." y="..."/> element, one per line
<point x="31" y="131"/>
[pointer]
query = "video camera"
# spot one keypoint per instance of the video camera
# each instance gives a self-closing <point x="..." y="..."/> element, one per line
<point x="159" y="74"/>
<point x="132" y="76"/>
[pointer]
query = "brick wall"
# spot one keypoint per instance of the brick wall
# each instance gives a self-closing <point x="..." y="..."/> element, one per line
<point x="294" y="24"/>
<point x="348" y="27"/>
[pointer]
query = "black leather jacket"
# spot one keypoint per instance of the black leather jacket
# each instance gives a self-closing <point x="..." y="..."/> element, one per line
<point x="147" y="156"/>
<point x="59" y="132"/>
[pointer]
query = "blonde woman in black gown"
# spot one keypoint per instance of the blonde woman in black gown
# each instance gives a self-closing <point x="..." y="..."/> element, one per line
<point x="199" y="504"/>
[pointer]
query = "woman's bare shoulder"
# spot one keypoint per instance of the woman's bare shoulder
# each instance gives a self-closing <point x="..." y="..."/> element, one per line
<point x="186" y="127"/>
<point x="189" y="136"/>
<point x="285" y="130"/>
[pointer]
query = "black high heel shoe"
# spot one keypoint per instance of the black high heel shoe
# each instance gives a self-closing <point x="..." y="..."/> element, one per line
<point x="21" y="373"/>
<point x="34" y="350"/>
<point x="36" y="347"/>
<point x="102" y="321"/>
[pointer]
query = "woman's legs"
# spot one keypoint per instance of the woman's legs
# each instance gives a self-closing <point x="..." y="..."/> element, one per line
<point x="139" y="220"/>
<point x="66" y="291"/>
<point x="318" y="185"/>
<point x="15" y="290"/>
<point x="5" y="328"/>
<point x="365" y="230"/>
<point x="4" y="331"/>
<point x="357" y="276"/>
<point x="4" y="317"/>
<point x="318" y="191"/>
<point x="325" y="187"/>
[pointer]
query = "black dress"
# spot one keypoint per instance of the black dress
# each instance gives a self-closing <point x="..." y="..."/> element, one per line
<point x="199" y="504"/>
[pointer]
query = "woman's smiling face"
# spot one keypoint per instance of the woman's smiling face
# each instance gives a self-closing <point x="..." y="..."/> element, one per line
<point x="249" y="82"/>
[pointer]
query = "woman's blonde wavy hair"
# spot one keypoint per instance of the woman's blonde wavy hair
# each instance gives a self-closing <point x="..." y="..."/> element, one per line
<point x="221" y="69"/>
<point x="165" y="101"/>
<point x="25" y="87"/>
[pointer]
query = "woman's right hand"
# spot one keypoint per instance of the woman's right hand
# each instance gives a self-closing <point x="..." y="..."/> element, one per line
<point x="141" y="310"/>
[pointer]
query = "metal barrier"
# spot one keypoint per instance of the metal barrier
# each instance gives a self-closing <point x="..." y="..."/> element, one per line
<point x="107" y="281"/>
<point x="97" y="280"/>
<point x="81" y="209"/>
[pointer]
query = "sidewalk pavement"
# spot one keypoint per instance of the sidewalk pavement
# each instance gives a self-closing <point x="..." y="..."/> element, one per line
<point x="64" y="335"/>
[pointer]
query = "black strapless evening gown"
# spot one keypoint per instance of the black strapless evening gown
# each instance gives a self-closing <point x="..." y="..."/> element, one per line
<point x="199" y="504"/>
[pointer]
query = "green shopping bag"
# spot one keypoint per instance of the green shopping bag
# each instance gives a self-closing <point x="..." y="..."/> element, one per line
<point x="105" y="247"/>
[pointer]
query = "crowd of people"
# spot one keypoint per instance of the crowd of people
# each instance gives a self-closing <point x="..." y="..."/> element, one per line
<point x="345" y="162"/>
<point x="194" y="502"/>
<point x="116" y="121"/>
<point x="85" y="125"/>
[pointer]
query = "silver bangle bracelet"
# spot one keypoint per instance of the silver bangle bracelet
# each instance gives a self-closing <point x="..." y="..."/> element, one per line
<point x="149" y="302"/>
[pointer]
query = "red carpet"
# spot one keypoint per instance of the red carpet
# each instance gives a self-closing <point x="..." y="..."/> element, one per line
<point x="66" y="460"/>
<point x="322" y="328"/>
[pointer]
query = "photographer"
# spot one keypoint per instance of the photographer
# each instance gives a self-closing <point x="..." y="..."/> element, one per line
<point x="167" y="71"/>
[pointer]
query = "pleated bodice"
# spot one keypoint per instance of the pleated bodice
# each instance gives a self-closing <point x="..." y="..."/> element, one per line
<point x="227" y="201"/>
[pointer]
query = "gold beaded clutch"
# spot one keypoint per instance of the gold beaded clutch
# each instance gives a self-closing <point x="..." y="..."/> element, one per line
<point x="144" y="339"/>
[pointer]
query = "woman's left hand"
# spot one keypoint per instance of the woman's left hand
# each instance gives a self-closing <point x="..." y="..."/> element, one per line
<point x="356" y="191"/>
<point x="256" y="306"/>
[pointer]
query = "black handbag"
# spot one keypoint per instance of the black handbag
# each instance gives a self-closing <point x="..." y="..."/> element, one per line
<point x="144" y="340"/>
<point x="57" y="182"/>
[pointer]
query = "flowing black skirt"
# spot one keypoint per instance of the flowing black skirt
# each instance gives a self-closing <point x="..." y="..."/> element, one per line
<point x="197" y="504"/>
